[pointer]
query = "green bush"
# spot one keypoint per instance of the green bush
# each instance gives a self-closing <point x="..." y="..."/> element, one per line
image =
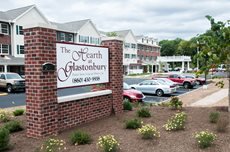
<point x="133" y="124"/>
<point x="222" y="124"/>
<point x="13" y="126"/>
<point x="213" y="117"/>
<point x="107" y="143"/>
<point x="18" y="112"/>
<point x="127" y="106"/>
<point x="143" y="112"/>
<point x="175" y="103"/>
<point x="4" y="116"/>
<point x="53" y="145"/>
<point x="80" y="138"/>
<point x="4" y="138"/>
<point x="205" y="138"/>
<point x="177" y="122"/>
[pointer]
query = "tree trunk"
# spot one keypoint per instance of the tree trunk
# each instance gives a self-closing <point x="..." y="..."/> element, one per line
<point x="228" y="90"/>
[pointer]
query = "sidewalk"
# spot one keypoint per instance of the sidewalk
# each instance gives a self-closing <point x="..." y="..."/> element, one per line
<point x="211" y="99"/>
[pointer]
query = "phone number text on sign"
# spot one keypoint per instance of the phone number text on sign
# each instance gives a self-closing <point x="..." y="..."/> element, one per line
<point x="79" y="65"/>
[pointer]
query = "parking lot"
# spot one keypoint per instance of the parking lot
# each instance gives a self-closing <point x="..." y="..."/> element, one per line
<point x="18" y="98"/>
<point x="153" y="98"/>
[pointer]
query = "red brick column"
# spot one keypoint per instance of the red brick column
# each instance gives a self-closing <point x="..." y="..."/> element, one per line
<point x="116" y="72"/>
<point x="41" y="87"/>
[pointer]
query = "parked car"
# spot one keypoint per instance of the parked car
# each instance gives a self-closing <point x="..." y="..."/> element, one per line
<point x="199" y="81"/>
<point x="178" y="78"/>
<point x="154" y="87"/>
<point x="11" y="82"/>
<point x="131" y="94"/>
<point x="166" y="80"/>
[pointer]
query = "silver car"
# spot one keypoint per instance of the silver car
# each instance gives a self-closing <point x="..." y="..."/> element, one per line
<point x="169" y="82"/>
<point x="154" y="87"/>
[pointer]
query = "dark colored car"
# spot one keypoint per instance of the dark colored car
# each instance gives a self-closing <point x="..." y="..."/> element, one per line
<point x="131" y="94"/>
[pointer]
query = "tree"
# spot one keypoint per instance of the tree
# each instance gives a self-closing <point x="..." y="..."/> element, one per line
<point x="216" y="46"/>
<point x="169" y="47"/>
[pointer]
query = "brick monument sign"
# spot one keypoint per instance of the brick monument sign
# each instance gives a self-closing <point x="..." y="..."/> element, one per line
<point x="48" y="114"/>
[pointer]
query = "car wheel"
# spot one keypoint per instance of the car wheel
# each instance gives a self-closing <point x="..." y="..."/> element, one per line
<point x="159" y="92"/>
<point x="9" y="88"/>
<point x="127" y="99"/>
<point x="186" y="85"/>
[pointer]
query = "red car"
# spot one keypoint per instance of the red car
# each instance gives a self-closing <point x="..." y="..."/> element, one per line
<point x="131" y="94"/>
<point x="181" y="80"/>
<point x="199" y="81"/>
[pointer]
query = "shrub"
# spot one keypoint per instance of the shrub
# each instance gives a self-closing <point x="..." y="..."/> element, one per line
<point x="205" y="138"/>
<point x="80" y="138"/>
<point x="148" y="131"/>
<point x="143" y="112"/>
<point x="13" y="126"/>
<point x="108" y="143"/>
<point x="213" y="117"/>
<point x="222" y="124"/>
<point x="177" y="122"/>
<point x="175" y="103"/>
<point x="53" y="145"/>
<point x="4" y="139"/>
<point x="18" y="112"/>
<point x="127" y="105"/>
<point x="4" y="116"/>
<point x="133" y="124"/>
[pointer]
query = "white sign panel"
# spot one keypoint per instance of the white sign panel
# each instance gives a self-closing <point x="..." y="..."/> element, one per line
<point x="79" y="65"/>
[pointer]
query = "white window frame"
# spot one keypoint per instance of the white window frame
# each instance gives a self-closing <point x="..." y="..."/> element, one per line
<point x="1" y="49"/>
<point x="1" y="28"/>
<point x="19" y="49"/>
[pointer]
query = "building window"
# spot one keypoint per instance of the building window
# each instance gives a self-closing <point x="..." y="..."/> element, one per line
<point x="4" y="49"/>
<point x="127" y="45"/>
<point x="84" y="39"/>
<point x="4" y="28"/>
<point x="19" y="30"/>
<point x="133" y="46"/>
<point x="94" y="40"/>
<point x="20" y="49"/>
<point x="127" y="56"/>
<point x="67" y="37"/>
<point x="134" y="56"/>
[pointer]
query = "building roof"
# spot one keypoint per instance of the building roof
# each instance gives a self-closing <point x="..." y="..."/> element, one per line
<point x="10" y="60"/>
<point x="73" y="26"/>
<point x="122" y="33"/>
<point x="13" y="14"/>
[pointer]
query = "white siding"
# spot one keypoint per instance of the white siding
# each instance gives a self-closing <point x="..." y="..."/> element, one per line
<point x="31" y="17"/>
<point x="87" y="30"/>
<point x="129" y="39"/>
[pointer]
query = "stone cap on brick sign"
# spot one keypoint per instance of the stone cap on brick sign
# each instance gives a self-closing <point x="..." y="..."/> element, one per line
<point x="111" y="38"/>
<point x="42" y="25"/>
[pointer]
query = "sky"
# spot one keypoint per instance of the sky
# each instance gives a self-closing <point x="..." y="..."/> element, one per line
<point x="161" y="19"/>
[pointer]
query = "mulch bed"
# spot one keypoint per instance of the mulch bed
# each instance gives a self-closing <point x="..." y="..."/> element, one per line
<point x="131" y="141"/>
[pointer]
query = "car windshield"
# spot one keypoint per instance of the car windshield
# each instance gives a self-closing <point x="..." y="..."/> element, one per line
<point x="126" y="86"/>
<point x="13" y="76"/>
<point x="166" y="81"/>
<point x="162" y="82"/>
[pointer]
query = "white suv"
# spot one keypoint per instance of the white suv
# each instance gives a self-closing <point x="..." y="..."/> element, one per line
<point x="11" y="82"/>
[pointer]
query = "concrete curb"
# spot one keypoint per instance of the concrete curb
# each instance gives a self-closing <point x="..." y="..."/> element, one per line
<point x="3" y="94"/>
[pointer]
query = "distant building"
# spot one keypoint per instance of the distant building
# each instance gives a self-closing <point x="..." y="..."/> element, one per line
<point x="148" y="50"/>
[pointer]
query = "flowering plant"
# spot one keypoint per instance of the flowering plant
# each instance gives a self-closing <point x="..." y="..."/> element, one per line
<point x="108" y="143"/>
<point x="205" y="138"/>
<point x="53" y="145"/>
<point x="4" y="115"/>
<point x="148" y="131"/>
<point x="177" y="122"/>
